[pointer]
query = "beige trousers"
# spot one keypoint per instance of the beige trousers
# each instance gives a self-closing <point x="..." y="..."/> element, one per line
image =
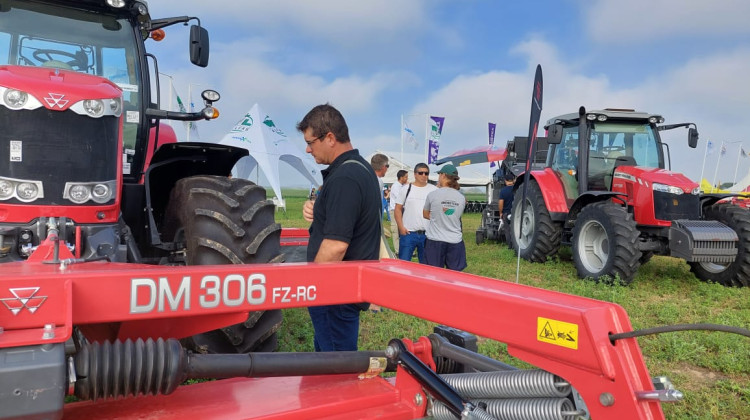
<point x="394" y="232"/>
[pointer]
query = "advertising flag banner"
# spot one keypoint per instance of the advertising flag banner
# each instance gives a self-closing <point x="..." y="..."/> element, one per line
<point x="408" y="136"/>
<point x="709" y="147"/>
<point x="536" y="112"/>
<point x="435" y="129"/>
<point x="491" y="127"/>
<point x="193" y="124"/>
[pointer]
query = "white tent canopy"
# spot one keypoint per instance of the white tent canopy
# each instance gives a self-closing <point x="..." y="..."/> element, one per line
<point x="268" y="145"/>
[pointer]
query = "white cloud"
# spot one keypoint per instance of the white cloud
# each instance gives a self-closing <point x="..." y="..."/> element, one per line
<point x="626" y="22"/>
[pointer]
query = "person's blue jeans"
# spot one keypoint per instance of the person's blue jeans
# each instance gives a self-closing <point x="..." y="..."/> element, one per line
<point x="408" y="243"/>
<point x="336" y="327"/>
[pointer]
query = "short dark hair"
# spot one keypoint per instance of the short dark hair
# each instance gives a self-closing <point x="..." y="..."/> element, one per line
<point x="401" y="173"/>
<point x="378" y="161"/>
<point x="324" y="119"/>
<point x="509" y="176"/>
<point x="421" y="166"/>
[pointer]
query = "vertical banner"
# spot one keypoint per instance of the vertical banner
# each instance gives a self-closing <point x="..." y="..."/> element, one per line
<point x="491" y="128"/>
<point x="536" y="112"/>
<point x="434" y="129"/>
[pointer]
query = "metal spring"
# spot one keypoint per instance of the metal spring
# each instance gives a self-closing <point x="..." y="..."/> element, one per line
<point x="517" y="409"/>
<point x="509" y="384"/>
<point x="111" y="370"/>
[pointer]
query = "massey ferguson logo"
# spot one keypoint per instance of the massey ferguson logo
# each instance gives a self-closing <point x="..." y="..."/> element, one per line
<point x="24" y="297"/>
<point x="56" y="100"/>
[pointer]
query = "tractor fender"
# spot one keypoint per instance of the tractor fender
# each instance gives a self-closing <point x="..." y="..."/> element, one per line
<point x="552" y="191"/>
<point x="175" y="161"/>
<point x="588" y="198"/>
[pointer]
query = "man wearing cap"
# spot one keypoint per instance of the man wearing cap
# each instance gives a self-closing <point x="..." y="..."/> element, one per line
<point x="443" y="207"/>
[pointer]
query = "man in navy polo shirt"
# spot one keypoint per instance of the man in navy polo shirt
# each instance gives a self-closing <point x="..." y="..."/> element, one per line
<point x="345" y="218"/>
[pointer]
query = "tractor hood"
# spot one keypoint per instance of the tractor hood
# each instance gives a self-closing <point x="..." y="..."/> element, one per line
<point x="649" y="176"/>
<point x="55" y="89"/>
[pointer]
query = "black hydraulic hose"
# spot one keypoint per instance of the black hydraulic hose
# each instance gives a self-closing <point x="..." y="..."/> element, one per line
<point x="680" y="327"/>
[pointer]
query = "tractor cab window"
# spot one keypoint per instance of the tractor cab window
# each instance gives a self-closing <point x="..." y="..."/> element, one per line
<point x="565" y="162"/>
<point x="619" y="144"/>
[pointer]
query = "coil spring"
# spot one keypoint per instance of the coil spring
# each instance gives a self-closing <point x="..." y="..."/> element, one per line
<point x="516" y="409"/>
<point x="110" y="370"/>
<point x="509" y="384"/>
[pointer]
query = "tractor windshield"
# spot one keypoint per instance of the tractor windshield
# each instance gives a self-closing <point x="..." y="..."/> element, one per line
<point x="56" y="36"/>
<point x="614" y="144"/>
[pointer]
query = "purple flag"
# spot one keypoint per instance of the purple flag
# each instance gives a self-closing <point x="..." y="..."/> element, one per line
<point x="491" y="127"/>
<point x="435" y="128"/>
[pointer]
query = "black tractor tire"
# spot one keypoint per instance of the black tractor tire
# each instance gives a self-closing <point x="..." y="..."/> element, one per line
<point x="736" y="274"/>
<point x="540" y="236"/>
<point x="646" y="257"/>
<point x="218" y="220"/>
<point x="605" y="240"/>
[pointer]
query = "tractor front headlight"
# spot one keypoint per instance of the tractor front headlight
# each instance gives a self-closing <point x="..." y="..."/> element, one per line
<point x="93" y="107"/>
<point x="98" y="107"/>
<point x="27" y="191"/>
<point x="78" y="194"/>
<point x="20" y="189"/>
<point x="15" y="99"/>
<point x="82" y="192"/>
<point x="6" y="189"/>
<point x="667" y="188"/>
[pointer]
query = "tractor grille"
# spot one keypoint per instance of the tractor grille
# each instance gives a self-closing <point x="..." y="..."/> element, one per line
<point x="673" y="207"/>
<point x="58" y="147"/>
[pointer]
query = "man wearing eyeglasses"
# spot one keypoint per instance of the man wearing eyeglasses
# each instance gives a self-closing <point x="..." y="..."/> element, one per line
<point x="345" y="219"/>
<point x="408" y="214"/>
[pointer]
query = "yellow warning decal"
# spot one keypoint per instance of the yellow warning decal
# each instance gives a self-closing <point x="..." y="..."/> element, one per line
<point x="558" y="333"/>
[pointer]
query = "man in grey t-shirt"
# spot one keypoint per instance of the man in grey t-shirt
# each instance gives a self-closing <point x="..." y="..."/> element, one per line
<point x="445" y="246"/>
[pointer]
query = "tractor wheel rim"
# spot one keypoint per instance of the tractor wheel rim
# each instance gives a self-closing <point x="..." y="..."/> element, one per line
<point x="714" y="268"/>
<point x="527" y="225"/>
<point x="593" y="245"/>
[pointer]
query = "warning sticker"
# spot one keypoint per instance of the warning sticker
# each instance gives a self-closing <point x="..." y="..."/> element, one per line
<point x="558" y="333"/>
<point x="16" y="151"/>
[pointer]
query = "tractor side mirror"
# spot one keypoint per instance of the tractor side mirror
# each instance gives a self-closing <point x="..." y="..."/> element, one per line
<point x="692" y="137"/>
<point x="554" y="134"/>
<point x="199" y="45"/>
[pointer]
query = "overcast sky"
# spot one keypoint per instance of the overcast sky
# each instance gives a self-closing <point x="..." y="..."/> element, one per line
<point x="473" y="62"/>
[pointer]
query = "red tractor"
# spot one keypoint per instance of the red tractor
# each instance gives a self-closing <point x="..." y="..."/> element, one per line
<point x="84" y="155"/>
<point x="124" y="269"/>
<point x="605" y="191"/>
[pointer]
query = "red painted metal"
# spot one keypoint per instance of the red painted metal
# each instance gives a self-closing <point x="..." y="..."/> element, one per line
<point x="294" y="237"/>
<point x="129" y="300"/>
<point x="552" y="190"/>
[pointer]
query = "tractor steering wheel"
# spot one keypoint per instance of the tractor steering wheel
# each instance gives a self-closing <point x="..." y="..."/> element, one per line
<point x="75" y="61"/>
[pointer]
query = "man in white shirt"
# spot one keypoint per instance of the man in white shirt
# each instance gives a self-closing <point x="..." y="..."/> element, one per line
<point x="408" y="214"/>
<point x="402" y="177"/>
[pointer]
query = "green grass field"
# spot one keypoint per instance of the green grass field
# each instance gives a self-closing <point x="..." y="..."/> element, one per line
<point x="712" y="369"/>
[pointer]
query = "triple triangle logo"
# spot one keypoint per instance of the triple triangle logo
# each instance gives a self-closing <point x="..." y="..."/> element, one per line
<point x="24" y="297"/>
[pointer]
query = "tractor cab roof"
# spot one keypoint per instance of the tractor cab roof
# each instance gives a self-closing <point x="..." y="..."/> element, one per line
<point x="607" y="114"/>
